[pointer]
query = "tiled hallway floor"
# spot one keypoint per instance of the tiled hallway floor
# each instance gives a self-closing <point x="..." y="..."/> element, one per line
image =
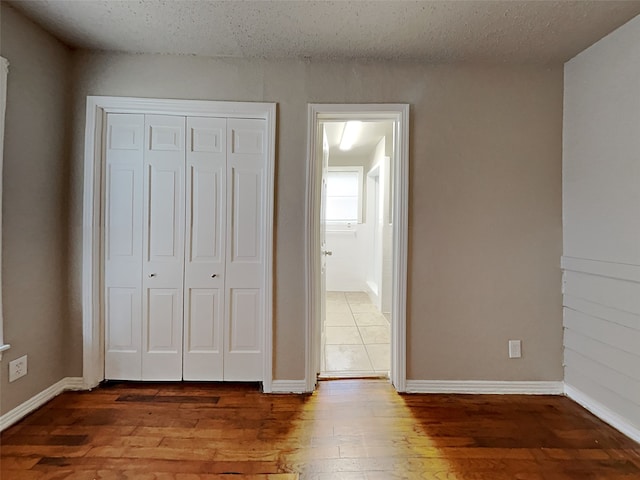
<point x="357" y="337"/>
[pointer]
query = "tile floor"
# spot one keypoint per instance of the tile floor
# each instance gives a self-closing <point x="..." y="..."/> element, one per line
<point x="357" y="337"/>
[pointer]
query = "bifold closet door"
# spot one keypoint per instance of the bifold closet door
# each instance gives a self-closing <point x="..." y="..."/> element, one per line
<point x="205" y="252"/>
<point x="224" y="260"/>
<point x="163" y="249"/>
<point x="245" y="258"/>
<point x="123" y="173"/>
<point x="184" y="258"/>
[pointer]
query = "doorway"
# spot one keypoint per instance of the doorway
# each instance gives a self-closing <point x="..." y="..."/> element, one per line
<point x="369" y="228"/>
<point x="356" y="258"/>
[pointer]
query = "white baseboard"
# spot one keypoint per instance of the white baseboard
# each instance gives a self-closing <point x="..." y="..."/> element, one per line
<point x="603" y="413"/>
<point x="484" y="386"/>
<point x="22" y="410"/>
<point x="288" y="386"/>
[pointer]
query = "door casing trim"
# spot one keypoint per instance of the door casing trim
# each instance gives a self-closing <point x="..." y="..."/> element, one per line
<point x="96" y="109"/>
<point x="398" y="113"/>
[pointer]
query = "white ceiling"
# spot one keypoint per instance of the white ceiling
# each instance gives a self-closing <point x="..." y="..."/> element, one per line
<point x="434" y="31"/>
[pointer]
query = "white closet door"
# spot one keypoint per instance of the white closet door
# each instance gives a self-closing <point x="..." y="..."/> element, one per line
<point x="163" y="262"/>
<point x="205" y="248"/>
<point x="123" y="246"/>
<point x="245" y="263"/>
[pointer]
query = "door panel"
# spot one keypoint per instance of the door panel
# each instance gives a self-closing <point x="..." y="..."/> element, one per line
<point x="204" y="317"/>
<point x="207" y="134"/>
<point x="244" y="327"/>
<point x="164" y="231"/>
<point x="123" y="246"/>
<point x="166" y="137"/>
<point x="244" y="335"/>
<point x="246" y="215"/>
<point x="120" y="215"/>
<point x="165" y="320"/>
<point x="125" y="132"/>
<point x="122" y="333"/>
<point x="203" y="306"/>
<point x="247" y="140"/>
<point x="206" y="240"/>
<point x="206" y="248"/>
<point x="121" y="305"/>
<point x="245" y="268"/>
<point x="163" y="266"/>
<point x="162" y="359"/>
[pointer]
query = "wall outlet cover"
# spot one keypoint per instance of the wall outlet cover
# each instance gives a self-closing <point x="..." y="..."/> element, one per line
<point x="17" y="368"/>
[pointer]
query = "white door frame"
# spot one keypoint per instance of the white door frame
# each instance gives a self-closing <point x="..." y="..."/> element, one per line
<point x="92" y="268"/>
<point x="398" y="113"/>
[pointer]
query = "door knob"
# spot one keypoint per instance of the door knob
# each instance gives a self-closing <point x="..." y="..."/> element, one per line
<point x="214" y="275"/>
<point x="151" y="275"/>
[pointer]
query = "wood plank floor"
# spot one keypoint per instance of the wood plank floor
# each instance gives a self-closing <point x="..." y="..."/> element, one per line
<point x="348" y="429"/>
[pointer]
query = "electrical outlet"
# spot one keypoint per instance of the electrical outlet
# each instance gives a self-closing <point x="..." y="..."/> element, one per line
<point x="17" y="368"/>
<point x="515" y="349"/>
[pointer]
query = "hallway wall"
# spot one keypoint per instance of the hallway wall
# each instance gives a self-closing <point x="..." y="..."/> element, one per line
<point x="347" y="263"/>
<point x="346" y="267"/>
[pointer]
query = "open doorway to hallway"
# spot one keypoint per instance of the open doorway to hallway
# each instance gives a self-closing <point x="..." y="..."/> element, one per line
<point x="316" y="253"/>
<point x="357" y="252"/>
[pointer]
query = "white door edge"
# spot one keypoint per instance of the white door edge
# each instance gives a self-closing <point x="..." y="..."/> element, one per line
<point x="96" y="109"/>
<point x="398" y="113"/>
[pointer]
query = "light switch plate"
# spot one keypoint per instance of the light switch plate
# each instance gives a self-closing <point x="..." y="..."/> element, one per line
<point x="515" y="349"/>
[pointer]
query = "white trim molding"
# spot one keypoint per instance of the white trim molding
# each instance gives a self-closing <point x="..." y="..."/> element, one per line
<point x="399" y="115"/>
<point x="485" y="387"/>
<point x="288" y="386"/>
<point x="25" y="408"/>
<point x="4" y="71"/>
<point x="96" y="110"/>
<point x="603" y="413"/>
<point x="3" y="346"/>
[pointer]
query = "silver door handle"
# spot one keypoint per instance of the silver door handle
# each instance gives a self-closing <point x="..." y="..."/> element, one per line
<point x="151" y="275"/>
<point x="327" y="253"/>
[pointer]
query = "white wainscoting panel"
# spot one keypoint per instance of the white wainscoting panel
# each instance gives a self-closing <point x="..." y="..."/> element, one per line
<point x="602" y="340"/>
<point x="603" y="412"/>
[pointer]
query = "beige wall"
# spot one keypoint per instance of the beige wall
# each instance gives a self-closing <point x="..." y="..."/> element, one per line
<point x="485" y="197"/>
<point x="34" y="216"/>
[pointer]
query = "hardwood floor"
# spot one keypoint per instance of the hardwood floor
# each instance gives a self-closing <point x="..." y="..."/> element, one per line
<point x="348" y="429"/>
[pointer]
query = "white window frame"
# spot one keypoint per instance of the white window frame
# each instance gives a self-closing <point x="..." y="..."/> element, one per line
<point x="4" y="70"/>
<point x="360" y="171"/>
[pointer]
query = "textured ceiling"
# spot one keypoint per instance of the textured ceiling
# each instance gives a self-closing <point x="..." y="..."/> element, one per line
<point x="435" y="31"/>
